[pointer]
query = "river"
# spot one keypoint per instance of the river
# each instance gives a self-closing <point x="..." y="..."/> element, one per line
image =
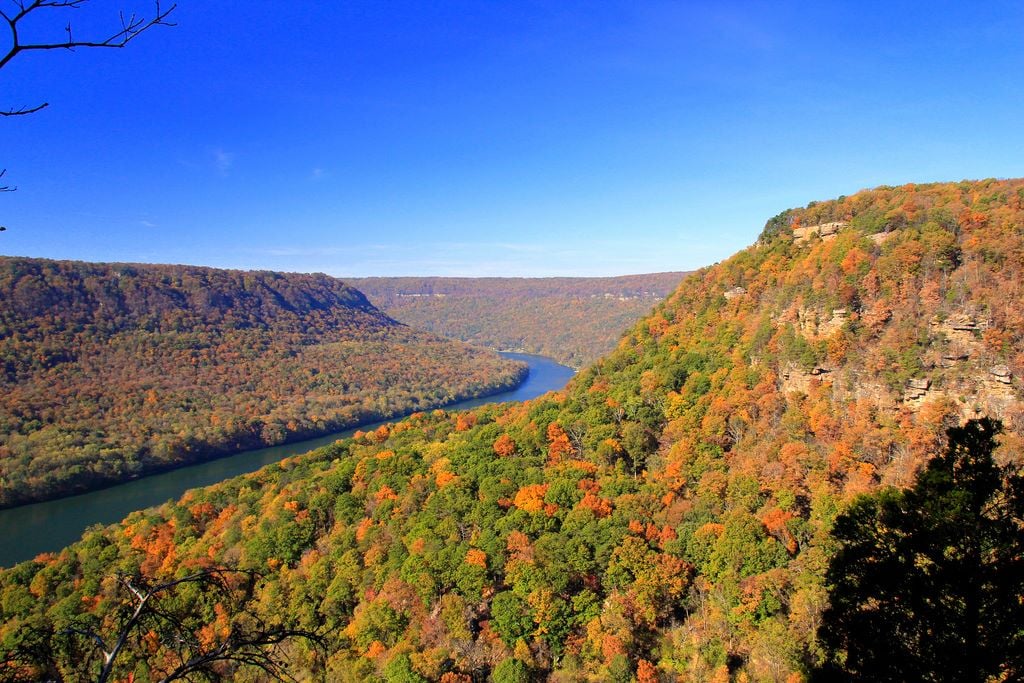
<point x="44" y="527"/>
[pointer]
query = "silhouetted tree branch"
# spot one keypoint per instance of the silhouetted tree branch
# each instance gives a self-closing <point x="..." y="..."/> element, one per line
<point x="154" y="615"/>
<point x="130" y="26"/>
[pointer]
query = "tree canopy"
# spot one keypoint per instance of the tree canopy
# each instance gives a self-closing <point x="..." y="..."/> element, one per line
<point x="928" y="583"/>
<point x="113" y="370"/>
<point x="574" y="320"/>
<point x="668" y="516"/>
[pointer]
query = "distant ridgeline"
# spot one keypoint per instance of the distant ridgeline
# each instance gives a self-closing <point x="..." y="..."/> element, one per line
<point x="573" y="320"/>
<point x="666" y="517"/>
<point x="110" y="371"/>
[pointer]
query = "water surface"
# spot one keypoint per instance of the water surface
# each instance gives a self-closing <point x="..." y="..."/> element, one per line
<point x="31" y="529"/>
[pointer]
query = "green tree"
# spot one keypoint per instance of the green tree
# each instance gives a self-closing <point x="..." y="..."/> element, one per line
<point x="511" y="671"/>
<point x="928" y="583"/>
<point x="620" y="670"/>
<point x="511" y="617"/>
<point x="399" y="670"/>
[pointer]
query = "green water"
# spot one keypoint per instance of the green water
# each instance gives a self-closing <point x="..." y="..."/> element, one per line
<point x="32" y="529"/>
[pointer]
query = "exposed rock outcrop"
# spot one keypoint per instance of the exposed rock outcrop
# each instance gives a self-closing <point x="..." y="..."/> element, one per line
<point x="815" y="323"/>
<point x="734" y="292"/>
<point x="1001" y="374"/>
<point x="881" y="237"/>
<point x="825" y="230"/>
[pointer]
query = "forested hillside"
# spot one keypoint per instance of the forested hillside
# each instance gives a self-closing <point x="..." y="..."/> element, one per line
<point x="573" y="320"/>
<point x="111" y="371"/>
<point x="666" y="517"/>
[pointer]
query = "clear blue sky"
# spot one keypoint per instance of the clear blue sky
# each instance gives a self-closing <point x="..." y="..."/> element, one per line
<point x="494" y="138"/>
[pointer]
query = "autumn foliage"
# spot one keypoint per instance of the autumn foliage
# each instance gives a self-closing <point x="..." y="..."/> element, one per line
<point x="112" y="371"/>
<point x="665" y="517"/>
<point x="573" y="320"/>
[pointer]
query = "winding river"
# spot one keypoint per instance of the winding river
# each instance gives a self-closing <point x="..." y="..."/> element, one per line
<point x="43" y="527"/>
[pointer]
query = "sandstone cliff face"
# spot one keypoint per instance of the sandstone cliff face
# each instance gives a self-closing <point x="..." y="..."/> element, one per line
<point x="826" y="231"/>
<point x="957" y="369"/>
<point x="907" y="299"/>
<point x="978" y="393"/>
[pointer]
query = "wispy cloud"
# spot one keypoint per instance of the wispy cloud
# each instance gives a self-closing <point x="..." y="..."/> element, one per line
<point x="523" y="248"/>
<point x="486" y="258"/>
<point x="310" y="251"/>
<point x="317" y="251"/>
<point x="147" y="224"/>
<point x="317" y="173"/>
<point x="223" y="160"/>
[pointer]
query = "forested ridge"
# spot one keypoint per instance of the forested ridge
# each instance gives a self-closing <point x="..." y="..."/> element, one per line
<point x="574" y="320"/>
<point x="111" y="371"/>
<point x="666" y="517"/>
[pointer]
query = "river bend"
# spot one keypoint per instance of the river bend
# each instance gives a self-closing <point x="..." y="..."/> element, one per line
<point x="46" y="527"/>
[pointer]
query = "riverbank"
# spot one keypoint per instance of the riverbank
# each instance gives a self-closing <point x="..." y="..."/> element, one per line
<point x="253" y="439"/>
<point x="45" y="527"/>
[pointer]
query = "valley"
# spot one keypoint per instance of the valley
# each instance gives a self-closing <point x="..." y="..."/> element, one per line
<point x="618" y="342"/>
<point x="666" y="516"/>
<point x="115" y="371"/>
<point x="29" y="530"/>
<point x="573" y="320"/>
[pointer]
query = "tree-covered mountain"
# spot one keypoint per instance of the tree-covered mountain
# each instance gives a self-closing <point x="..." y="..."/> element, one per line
<point x="667" y="517"/>
<point x="111" y="371"/>
<point x="574" y="320"/>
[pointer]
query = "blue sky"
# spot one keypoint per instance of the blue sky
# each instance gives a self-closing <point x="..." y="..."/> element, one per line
<point x="493" y="138"/>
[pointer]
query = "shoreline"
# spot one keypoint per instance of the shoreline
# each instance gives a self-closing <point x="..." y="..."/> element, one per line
<point x="48" y="526"/>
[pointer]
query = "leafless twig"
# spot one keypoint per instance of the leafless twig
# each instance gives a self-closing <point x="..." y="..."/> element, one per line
<point x="249" y="641"/>
<point x="131" y="26"/>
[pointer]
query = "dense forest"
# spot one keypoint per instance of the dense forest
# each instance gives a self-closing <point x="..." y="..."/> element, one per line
<point x="111" y="371"/>
<point x="666" y="517"/>
<point x="573" y="320"/>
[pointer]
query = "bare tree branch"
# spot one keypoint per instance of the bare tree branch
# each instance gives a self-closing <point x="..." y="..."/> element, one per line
<point x="249" y="642"/>
<point x="131" y="27"/>
<point x="251" y="649"/>
<point x="22" y="111"/>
